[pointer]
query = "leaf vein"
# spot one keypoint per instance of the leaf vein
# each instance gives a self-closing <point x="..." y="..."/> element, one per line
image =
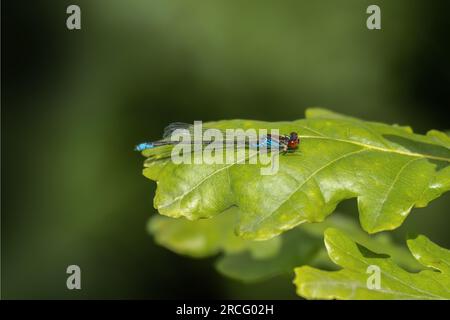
<point x="367" y="146"/>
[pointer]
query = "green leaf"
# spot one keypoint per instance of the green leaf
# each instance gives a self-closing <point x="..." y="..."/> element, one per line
<point x="252" y="261"/>
<point x="207" y="237"/>
<point x="387" y="168"/>
<point x="241" y="259"/>
<point x="297" y="248"/>
<point x="304" y="245"/>
<point x="395" y="283"/>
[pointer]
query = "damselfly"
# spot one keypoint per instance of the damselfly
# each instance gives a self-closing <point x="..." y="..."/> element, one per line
<point x="161" y="148"/>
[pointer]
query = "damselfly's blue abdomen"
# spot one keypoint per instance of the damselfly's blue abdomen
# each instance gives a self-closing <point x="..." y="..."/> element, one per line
<point x="266" y="142"/>
<point x="143" y="146"/>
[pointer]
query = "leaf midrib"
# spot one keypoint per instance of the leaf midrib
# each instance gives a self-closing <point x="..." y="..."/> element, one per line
<point x="368" y="146"/>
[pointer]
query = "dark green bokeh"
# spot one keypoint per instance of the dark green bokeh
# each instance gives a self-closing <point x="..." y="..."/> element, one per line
<point x="74" y="103"/>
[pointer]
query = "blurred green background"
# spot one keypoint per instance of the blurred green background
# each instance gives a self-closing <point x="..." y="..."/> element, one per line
<point x="74" y="104"/>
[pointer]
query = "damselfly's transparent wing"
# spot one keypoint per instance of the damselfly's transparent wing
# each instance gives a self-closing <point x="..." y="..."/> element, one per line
<point x="169" y="130"/>
<point x="163" y="148"/>
<point x="266" y="140"/>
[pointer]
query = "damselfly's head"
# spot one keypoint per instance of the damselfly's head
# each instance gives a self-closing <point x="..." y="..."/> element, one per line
<point x="293" y="141"/>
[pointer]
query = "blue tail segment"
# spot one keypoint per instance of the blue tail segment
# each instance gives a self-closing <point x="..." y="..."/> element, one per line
<point x="143" y="146"/>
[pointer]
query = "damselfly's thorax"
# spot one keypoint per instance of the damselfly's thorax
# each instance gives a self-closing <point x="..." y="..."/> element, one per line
<point x="290" y="141"/>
